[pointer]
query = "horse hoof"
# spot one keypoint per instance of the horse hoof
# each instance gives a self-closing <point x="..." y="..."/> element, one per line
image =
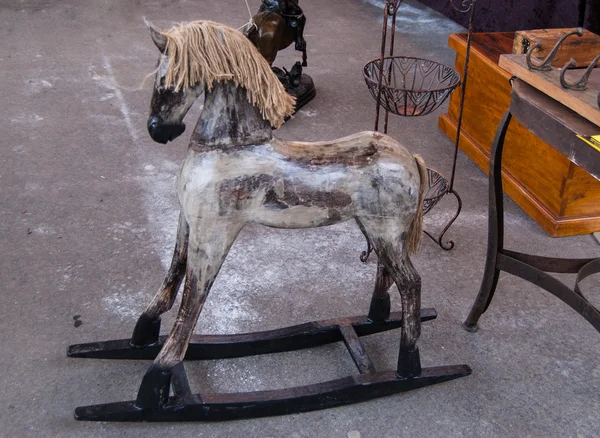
<point x="154" y="390"/>
<point x="146" y="331"/>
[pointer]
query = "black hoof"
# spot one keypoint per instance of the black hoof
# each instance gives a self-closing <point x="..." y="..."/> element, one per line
<point x="155" y="388"/>
<point x="379" y="310"/>
<point x="146" y="331"/>
<point x="409" y="363"/>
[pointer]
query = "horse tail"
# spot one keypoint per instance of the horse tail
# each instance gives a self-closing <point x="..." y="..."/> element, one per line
<point x="415" y="230"/>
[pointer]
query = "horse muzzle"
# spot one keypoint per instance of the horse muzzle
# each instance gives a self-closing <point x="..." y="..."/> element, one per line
<point x="164" y="132"/>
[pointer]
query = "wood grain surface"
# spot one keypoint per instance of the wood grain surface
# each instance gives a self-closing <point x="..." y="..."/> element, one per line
<point x="584" y="103"/>
<point x="560" y="196"/>
<point x="582" y="49"/>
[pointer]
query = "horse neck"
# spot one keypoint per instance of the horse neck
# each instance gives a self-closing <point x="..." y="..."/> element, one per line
<point x="229" y="119"/>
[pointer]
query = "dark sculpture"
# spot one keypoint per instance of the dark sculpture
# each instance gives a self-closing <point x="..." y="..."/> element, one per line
<point x="294" y="17"/>
<point x="277" y="25"/>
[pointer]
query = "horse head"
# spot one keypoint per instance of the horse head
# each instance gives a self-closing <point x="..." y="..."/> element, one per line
<point x="194" y="58"/>
<point x="169" y="104"/>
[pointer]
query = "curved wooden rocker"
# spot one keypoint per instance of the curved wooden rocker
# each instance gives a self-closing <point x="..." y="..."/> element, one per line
<point x="236" y="172"/>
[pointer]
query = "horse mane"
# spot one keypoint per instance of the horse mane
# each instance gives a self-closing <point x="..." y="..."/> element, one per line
<point x="205" y="52"/>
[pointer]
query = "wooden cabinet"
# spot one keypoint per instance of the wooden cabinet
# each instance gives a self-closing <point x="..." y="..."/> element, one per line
<point x="560" y="196"/>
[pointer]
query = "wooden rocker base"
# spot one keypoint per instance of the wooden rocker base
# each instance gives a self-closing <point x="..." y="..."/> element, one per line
<point x="206" y="347"/>
<point x="221" y="407"/>
<point x="186" y="406"/>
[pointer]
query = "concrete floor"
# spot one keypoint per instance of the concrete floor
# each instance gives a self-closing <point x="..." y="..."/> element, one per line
<point x="88" y="214"/>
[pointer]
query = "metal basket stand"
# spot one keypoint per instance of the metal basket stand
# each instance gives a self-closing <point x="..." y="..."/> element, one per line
<point x="416" y="87"/>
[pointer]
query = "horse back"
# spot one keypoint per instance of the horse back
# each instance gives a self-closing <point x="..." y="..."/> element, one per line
<point x="361" y="148"/>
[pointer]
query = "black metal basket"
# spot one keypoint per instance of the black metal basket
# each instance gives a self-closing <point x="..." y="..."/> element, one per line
<point x="436" y="189"/>
<point x="410" y="86"/>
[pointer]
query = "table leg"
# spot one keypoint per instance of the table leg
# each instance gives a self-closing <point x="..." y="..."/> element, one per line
<point x="495" y="228"/>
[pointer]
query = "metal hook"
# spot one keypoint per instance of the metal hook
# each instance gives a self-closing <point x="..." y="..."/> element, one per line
<point x="581" y="83"/>
<point x="546" y="64"/>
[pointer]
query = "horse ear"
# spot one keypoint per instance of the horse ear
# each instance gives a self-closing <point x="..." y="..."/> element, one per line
<point x="160" y="40"/>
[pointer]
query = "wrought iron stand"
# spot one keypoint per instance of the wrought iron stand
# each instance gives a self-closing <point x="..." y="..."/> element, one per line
<point x="558" y="127"/>
<point x="415" y="96"/>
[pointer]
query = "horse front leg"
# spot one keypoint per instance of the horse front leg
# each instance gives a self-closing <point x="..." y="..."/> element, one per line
<point x="147" y="328"/>
<point x="205" y="255"/>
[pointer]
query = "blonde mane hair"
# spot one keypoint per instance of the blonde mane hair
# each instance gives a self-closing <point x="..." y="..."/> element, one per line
<point x="205" y="52"/>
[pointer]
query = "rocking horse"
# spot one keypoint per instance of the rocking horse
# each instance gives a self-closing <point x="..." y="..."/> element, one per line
<point x="236" y="172"/>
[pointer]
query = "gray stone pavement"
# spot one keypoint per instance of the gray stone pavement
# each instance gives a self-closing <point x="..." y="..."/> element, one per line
<point x="88" y="214"/>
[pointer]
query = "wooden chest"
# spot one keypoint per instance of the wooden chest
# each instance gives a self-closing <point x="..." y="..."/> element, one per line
<point x="560" y="196"/>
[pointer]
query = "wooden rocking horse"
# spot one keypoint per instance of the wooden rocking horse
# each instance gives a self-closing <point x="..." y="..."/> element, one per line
<point x="237" y="172"/>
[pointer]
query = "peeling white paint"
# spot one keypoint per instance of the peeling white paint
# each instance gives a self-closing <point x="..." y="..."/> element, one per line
<point x="439" y="218"/>
<point x="309" y="113"/>
<point x="26" y="119"/>
<point x="158" y="199"/>
<point x="122" y="104"/>
<point x="125" y="303"/>
<point x="36" y="86"/>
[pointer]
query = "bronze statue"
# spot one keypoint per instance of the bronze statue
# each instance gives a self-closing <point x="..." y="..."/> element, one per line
<point x="277" y="25"/>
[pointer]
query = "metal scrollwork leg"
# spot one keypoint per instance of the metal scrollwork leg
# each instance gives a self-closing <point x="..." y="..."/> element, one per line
<point x="448" y="245"/>
<point x="364" y="256"/>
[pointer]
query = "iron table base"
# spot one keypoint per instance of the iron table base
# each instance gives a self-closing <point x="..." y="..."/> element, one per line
<point x="180" y="404"/>
<point x="528" y="267"/>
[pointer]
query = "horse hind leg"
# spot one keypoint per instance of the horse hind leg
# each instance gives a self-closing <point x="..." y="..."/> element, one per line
<point x="388" y="242"/>
<point x="408" y="281"/>
<point x="147" y="328"/>
<point x="379" y="309"/>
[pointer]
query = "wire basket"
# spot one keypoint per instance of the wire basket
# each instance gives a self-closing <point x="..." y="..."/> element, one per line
<point x="436" y="189"/>
<point x="410" y="86"/>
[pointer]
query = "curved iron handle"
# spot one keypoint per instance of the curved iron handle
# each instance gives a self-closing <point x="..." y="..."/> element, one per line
<point x="546" y="64"/>
<point x="581" y="83"/>
<point x="464" y="7"/>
